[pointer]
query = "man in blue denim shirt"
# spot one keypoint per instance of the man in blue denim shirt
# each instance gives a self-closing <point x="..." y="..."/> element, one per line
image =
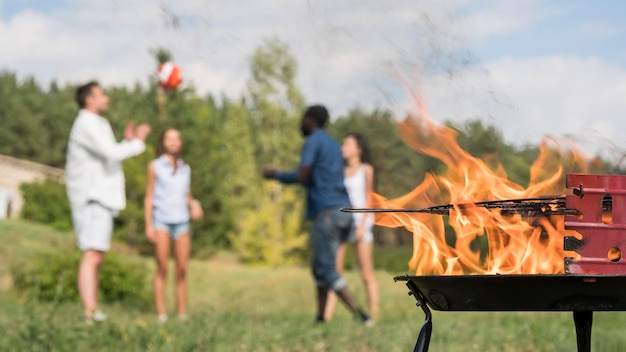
<point x="321" y="172"/>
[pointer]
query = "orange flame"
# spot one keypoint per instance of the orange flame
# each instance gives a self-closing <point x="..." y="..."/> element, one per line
<point x="511" y="244"/>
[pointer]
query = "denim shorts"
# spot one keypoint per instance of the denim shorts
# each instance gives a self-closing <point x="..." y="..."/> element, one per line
<point x="368" y="234"/>
<point x="331" y="227"/>
<point x="174" y="230"/>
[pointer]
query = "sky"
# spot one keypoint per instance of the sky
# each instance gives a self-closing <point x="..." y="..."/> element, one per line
<point x="534" y="69"/>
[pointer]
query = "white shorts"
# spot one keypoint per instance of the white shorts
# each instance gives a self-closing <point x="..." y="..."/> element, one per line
<point x="93" y="224"/>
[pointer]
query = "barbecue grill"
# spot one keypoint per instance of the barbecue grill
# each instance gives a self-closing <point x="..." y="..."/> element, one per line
<point x="595" y="280"/>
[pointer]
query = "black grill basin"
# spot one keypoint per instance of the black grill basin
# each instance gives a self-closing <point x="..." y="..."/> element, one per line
<point x="580" y="294"/>
<point x="522" y="292"/>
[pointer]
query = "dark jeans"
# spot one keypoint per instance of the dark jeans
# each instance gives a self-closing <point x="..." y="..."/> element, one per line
<point x="330" y="228"/>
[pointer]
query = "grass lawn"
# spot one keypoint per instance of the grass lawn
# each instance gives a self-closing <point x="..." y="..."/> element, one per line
<point x="241" y="308"/>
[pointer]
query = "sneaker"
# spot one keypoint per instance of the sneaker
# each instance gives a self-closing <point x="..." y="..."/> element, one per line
<point x="96" y="317"/>
<point x="162" y="318"/>
<point x="99" y="315"/>
<point x="365" y="319"/>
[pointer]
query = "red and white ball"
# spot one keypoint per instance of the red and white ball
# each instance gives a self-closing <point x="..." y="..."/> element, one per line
<point x="169" y="76"/>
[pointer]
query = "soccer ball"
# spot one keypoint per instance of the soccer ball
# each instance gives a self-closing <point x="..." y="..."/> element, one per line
<point x="169" y="76"/>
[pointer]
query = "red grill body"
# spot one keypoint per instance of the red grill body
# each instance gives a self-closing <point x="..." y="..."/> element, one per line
<point x="603" y="229"/>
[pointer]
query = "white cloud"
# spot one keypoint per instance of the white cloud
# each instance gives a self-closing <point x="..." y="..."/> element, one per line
<point x="530" y="99"/>
<point x="334" y="43"/>
<point x="350" y="52"/>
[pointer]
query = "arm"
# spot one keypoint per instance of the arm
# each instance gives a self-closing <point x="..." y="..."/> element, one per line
<point x="369" y="187"/>
<point x="369" y="190"/>
<point x="104" y="145"/>
<point x="302" y="173"/>
<point x="147" y="203"/>
<point x="195" y="208"/>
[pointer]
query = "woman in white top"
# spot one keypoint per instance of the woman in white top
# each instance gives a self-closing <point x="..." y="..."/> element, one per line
<point x="359" y="182"/>
<point x="168" y="209"/>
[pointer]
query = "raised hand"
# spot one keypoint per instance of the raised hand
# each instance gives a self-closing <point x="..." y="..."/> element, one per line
<point x="129" y="131"/>
<point x="142" y="131"/>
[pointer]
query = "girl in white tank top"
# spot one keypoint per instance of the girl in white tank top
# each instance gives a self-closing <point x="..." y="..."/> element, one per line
<point x="356" y="186"/>
<point x="359" y="181"/>
<point x="168" y="207"/>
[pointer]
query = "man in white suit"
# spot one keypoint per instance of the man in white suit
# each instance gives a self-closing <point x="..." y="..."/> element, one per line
<point x="95" y="185"/>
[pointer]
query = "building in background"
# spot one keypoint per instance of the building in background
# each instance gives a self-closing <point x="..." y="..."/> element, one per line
<point x="14" y="172"/>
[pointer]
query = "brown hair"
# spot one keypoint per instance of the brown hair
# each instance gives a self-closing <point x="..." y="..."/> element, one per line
<point x="83" y="92"/>
<point x="161" y="147"/>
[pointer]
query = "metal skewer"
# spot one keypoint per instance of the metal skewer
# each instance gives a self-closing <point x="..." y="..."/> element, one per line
<point x="549" y="205"/>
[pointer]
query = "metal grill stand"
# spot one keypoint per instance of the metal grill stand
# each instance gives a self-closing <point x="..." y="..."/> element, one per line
<point x="423" y="339"/>
<point x="582" y="320"/>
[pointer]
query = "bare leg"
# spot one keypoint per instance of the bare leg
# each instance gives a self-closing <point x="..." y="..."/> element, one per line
<point x="182" y="248"/>
<point x="90" y="262"/>
<point x="332" y="297"/>
<point x="364" y="257"/>
<point x="161" y="252"/>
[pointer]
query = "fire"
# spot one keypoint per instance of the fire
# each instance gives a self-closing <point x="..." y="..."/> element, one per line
<point x="511" y="244"/>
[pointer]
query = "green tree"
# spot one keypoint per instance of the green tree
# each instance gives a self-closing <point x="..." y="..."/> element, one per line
<point x="35" y="123"/>
<point x="61" y="109"/>
<point x="276" y="104"/>
<point x="266" y="231"/>
<point x="21" y="114"/>
<point x="241" y="184"/>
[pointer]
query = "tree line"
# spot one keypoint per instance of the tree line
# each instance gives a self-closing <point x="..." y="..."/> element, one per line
<point x="227" y="142"/>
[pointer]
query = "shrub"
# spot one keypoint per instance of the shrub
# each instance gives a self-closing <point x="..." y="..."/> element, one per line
<point x="272" y="233"/>
<point x="52" y="276"/>
<point x="48" y="276"/>
<point x="124" y="280"/>
<point x="46" y="202"/>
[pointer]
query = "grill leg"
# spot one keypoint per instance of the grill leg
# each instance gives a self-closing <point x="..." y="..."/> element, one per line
<point x="583" y="321"/>
<point x="423" y="339"/>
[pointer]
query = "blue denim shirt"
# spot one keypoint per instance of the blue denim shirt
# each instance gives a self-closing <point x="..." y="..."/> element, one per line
<point x="325" y="186"/>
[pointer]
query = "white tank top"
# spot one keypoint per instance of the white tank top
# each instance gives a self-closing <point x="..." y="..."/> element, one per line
<point x="169" y="198"/>
<point x="355" y="185"/>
